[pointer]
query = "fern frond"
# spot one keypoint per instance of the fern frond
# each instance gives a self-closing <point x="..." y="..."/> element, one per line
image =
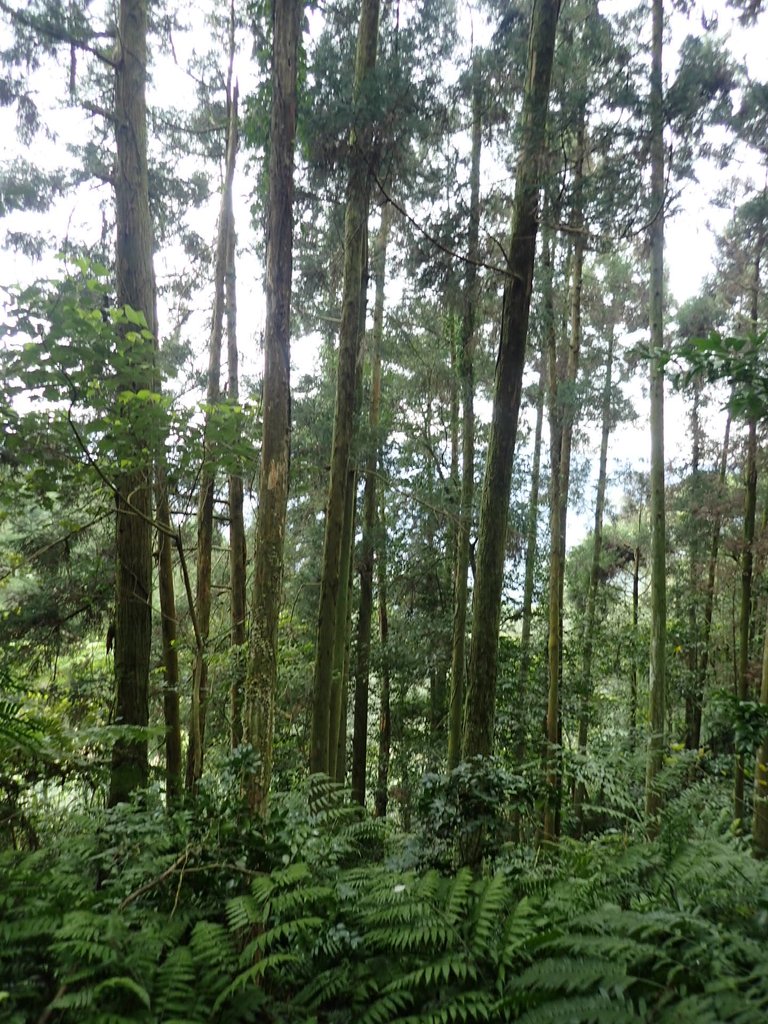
<point x="569" y="974"/>
<point x="593" y="1009"/>
<point x="386" y="1008"/>
<point x="254" y="974"/>
<point x="458" y="896"/>
<point x="491" y="904"/>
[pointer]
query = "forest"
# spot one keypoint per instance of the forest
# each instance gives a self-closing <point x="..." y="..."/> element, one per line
<point x="383" y="543"/>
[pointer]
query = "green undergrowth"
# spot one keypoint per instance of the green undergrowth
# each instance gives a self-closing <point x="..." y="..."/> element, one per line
<point x="202" y="916"/>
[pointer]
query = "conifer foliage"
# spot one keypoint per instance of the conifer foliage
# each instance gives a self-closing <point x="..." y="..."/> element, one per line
<point x="558" y="739"/>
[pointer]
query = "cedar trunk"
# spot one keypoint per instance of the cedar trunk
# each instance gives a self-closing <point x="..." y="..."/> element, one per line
<point x="385" y="713"/>
<point x="466" y="373"/>
<point x="365" y="610"/>
<point x="594" y="575"/>
<point x="481" y="682"/>
<point x="237" y="547"/>
<point x="531" y="534"/>
<point x="355" y="230"/>
<point x="208" y="471"/>
<point x="135" y="288"/>
<point x="261" y="680"/>
<point x="658" y="518"/>
<point x="173" y="758"/>
<point x="760" y="813"/>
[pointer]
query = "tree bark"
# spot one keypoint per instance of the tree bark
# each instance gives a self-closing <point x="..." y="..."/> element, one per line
<point x="237" y="543"/>
<point x="531" y="546"/>
<point x="709" y="597"/>
<point x="168" y="629"/>
<point x="692" y="704"/>
<point x="747" y="555"/>
<point x="590" y="619"/>
<point x="658" y="518"/>
<point x="261" y="678"/>
<point x="385" y="714"/>
<point x="480" y="699"/>
<point x="760" y="812"/>
<point x="740" y="810"/>
<point x="563" y="435"/>
<point x="199" y="707"/>
<point x="355" y="230"/>
<point x="555" y="514"/>
<point x="365" y="610"/>
<point x="340" y="647"/>
<point x="467" y="379"/>
<point x="635" y="640"/>
<point x="135" y="288"/>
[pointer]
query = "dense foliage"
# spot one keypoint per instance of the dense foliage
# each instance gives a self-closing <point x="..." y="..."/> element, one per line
<point x="226" y="592"/>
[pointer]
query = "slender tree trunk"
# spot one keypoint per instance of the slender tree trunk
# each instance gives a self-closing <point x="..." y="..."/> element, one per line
<point x="261" y="678"/>
<point x="480" y="700"/>
<point x="747" y="556"/>
<point x="658" y="518"/>
<point x="355" y="231"/>
<point x="760" y="812"/>
<point x="531" y="533"/>
<point x="594" y="574"/>
<point x="568" y="406"/>
<point x="237" y="543"/>
<point x="467" y="378"/>
<point x="385" y="714"/>
<point x="709" y="598"/>
<point x="554" y="635"/>
<point x="365" y="611"/>
<point x="135" y="288"/>
<point x="692" y="704"/>
<point x="566" y="410"/>
<point x="635" y="640"/>
<point x="740" y="809"/>
<point x="168" y="629"/>
<point x="208" y="472"/>
<point x="338" y="716"/>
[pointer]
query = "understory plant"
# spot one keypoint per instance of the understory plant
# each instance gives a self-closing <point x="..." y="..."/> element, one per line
<point x="207" y="916"/>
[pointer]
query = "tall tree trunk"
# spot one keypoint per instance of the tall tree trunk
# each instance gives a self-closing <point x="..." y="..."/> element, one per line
<point x="709" y="597"/>
<point x="554" y="634"/>
<point x="566" y="414"/>
<point x="531" y="546"/>
<point x="208" y="472"/>
<point x="568" y="405"/>
<point x="365" y="611"/>
<point x="135" y="288"/>
<point x="355" y="232"/>
<point x="338" y="702"/>
<point x="760" y="812"/>
<point x="658" y="519"/>
<point x="237" y="543"/>
<point x="385" y="714"/>
<point x="168" y="629"/>
<point x="692" y="705"/>
<point x="740" y="809"/>
<point x="747" y="555"/>
<point x="635" y="639"/>
<point x="467" y="378"/>
<point x="261" y="679"/>
<point x="590" y="619"/>
<point x="480" y="699"/>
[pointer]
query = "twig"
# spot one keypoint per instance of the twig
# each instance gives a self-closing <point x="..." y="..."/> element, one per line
<point x="154" y="882"/>
<point x="181" y="879"/>
<point x="431" y="238"/>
